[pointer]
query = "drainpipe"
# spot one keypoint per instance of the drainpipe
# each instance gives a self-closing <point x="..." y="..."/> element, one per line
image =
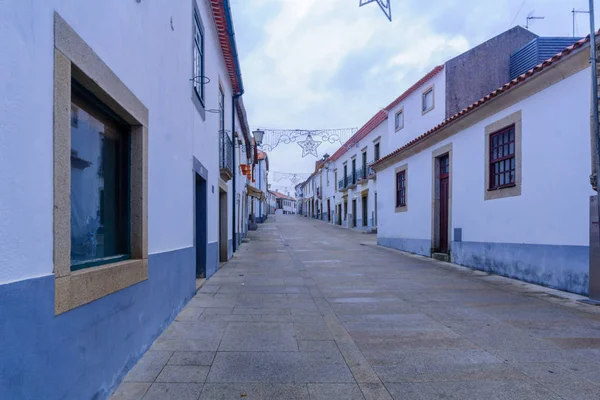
<point x="593" y="286"/>
<point x="238" y="72"/>
<point x="235" y="171"/>
<point x="260" y="187"/>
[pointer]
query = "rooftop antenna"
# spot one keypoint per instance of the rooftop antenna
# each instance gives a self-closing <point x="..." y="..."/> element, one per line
<point x="574" y="12"/>
<point x="530" y="17"/>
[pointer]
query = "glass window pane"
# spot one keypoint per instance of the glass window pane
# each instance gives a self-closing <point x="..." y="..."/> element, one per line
<point x="501" y="166"/>
<point x="501" y="179"/>
<point x="495" y="141"/>
<point x="511" y="148"/>
<point x="98" y="185"/>
<point x="512" y="163"/>
<point x="512" y="134"/>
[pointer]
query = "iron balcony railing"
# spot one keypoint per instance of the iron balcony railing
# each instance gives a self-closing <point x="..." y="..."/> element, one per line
<point x="341" y="184"/>
<point x="362" y="173"/>
<point x="372" y="172"/>
<point x="225" y="154"/>
<point x="351" y="179"/>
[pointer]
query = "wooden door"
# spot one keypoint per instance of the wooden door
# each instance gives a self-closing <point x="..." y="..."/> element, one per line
<point x="444" y="197"/>
<point x="365" y="211"/>
<point x="354" y="213"/>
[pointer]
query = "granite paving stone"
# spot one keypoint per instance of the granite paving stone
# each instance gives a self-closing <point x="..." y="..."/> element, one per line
<point x="307" y="311"/>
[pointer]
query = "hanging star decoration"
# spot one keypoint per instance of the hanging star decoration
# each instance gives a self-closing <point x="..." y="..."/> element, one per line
<point x="309" y="146"/>
<point x="383" y="4"/>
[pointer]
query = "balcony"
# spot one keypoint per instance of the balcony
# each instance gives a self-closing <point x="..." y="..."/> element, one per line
<point x="319" y="193"/>
<point x="371" y="174"/>
<point x="225" y="156"/>
<point x="362" y="174"/>
<point x="351" y="179"/>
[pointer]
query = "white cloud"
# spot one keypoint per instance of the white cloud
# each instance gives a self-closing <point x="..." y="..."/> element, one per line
<point x="329" y="63"/>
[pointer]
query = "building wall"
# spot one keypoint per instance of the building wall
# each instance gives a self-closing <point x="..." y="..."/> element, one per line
<point x="540" y="236"/>
<point x="148" y="46"/>
<point x="486" y="67"/>
<point x="415" y="122"/>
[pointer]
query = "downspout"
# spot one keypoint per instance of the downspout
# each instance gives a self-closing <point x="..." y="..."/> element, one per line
<point x="235" y="172"/>
<point x="238" y="73"/>
<point x="260" y="187"/>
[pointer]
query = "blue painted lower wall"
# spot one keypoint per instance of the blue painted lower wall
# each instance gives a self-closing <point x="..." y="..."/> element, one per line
<point x="229" y="249"/>
<point x="86" y="352"/>
<point x="212" y="262"/>
<point x="416" y="246"/>
<point x="560" y="267"/>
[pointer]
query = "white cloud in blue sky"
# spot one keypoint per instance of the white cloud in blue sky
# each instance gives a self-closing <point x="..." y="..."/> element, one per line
<point x="329" y="64"/>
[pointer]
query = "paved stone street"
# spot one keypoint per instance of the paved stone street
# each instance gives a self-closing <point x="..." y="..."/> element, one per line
<point x="308" y="310"/>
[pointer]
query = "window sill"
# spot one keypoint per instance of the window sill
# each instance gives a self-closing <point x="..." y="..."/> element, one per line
<point x="426" y="111"/>
<point x="502" y="187"/>
<point x="402" y="209"/>
<point x="86" y="285"/>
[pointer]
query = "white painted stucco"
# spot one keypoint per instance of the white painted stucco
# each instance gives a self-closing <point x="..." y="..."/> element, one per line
<point x="415" y="122"/>
<point x="149" y="47"/>
<point x="554" y="205"/>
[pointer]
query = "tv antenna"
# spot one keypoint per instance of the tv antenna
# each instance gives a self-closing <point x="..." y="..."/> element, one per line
<point x="530" y="17"/>
<point x="575" y="12"/>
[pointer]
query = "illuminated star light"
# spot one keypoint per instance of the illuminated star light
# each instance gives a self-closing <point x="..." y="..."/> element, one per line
<point x="309" y="146"/>
<point x="383" y="4"/>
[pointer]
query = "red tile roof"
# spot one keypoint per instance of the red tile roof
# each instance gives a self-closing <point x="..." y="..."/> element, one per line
<point x="227" y="43"/>
<point x="383" y="114"/>
<point x="414" y="87"/>
<point x="281" y="195"/>
<point x="508" y="86"/>
<point x="360" y="134"/>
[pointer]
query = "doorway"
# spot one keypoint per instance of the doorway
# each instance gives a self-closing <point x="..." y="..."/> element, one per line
<point x="200" y="226"/>
<point x="441" y="204"/>
<point x="365" y="211"/>
<point x="223" y="245"/>
<point x="375" y="212"/>
<point x="328" y="210"/>
<point x="339" y="214"/>
<point x="353" y="213"/>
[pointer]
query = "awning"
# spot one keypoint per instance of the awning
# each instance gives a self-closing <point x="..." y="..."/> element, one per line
<point x="254" y="192"/>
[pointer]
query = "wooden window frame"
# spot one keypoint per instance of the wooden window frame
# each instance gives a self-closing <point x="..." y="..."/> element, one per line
<point x="198" y="51"/>
<point x="514" y="189"/>
<point x="502" y="134"/>
<point x="401" y="193"/>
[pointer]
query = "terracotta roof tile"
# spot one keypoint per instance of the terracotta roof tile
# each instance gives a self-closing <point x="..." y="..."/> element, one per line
<point x="506" y="87"/>
<point x="382" y="115"/>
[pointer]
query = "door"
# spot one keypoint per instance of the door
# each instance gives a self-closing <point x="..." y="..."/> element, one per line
<point x="444" y="196"/>
<point x="354" y="213"/>
<point x="328" y="210"/>
<point x="375" y="217"/>
<point x="201" y="227"/>
<point x="365" y="211"/>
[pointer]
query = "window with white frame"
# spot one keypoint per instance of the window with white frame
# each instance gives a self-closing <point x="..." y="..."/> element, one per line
<point x="428" y="101"/>
<point x="399" y="120"/>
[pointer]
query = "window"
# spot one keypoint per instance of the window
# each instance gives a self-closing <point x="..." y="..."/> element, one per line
<point x="99" y="184"/>
<point x="345" y="175"/>
<point x="221" y="110"/>
<point x="399" y="120"/>
<point x="353" y="171"/>
<point x="335" y="179"/>
<point x="376" y="149"/>
<point x="198" y="58"/>
<point x="401" y="189"/>
<point x="502" y="159"/>
<point x="428" y="100"/>
<point x="364" y="165"/>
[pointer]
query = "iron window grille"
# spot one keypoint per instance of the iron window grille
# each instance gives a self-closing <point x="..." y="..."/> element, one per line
<point x="401" y="189"/>
<point x="502" y="158"/>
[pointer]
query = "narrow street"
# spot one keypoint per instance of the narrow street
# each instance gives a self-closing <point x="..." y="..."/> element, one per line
<point x="307" y="310"/>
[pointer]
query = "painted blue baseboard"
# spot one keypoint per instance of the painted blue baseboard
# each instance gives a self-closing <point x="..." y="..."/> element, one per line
<point x="560" y="267"/>
<point x="415" y="246"/>
<point x="229" y="248"/>
<point x="212" y="263"/>
<point x="86" y="352"/>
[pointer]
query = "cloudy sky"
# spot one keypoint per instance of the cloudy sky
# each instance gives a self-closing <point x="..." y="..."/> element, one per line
<point x="311" y="64"/>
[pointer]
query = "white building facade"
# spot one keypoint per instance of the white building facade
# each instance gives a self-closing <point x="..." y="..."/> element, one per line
<point x="485" y="189"/>
<point x="132" y="190"/>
